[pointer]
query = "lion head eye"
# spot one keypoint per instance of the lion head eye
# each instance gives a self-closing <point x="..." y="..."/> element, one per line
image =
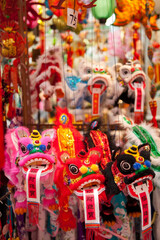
<point x="49" y="146"/>
<point x="125" y="166"/>
<point x="73" y="169"/>
<point x="23" y="148"/>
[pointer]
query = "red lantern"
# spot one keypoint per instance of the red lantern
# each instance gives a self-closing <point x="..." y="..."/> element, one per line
<point x="12" y="42"/>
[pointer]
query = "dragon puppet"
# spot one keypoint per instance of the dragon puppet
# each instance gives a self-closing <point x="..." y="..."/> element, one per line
<point x="29" y="165"/>
<point x="47" y="77"/>
<point x="130" y="172"/>
<point x="122" y="170"/>
<point x="141" y="134"/>
<point x="76" y="169"/>
<point x="130" y="88"/>
<point x="94" y="137"/>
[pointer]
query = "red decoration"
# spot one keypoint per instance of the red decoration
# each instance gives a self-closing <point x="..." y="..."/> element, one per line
<point x="135" y="40"/>
<point x="60" y="2"/>
<point x="153" y="108"/>
<point x="8" y="10"/>
<point x="13" y="44"/>
<point x="1" y="129"/>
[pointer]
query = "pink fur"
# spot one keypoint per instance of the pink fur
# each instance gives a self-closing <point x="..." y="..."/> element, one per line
<point x="21" y="204"/>
<point x="16" y="157"/>
<point x="11" y="138"/>
<point x="50" y="193"/>
<point x="10" y="168"/>
<point x="25" y="142"/>
<point x="20" y="193"/>
<point x="48" y="202"/>
<point x="21" y="199"/>
<point x="51" y="159"/>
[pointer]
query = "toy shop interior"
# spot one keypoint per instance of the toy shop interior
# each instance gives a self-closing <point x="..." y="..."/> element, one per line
<point x="79" y="119"/>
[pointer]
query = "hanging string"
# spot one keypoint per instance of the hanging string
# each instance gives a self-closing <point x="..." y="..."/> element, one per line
<point x="116" y="74"/>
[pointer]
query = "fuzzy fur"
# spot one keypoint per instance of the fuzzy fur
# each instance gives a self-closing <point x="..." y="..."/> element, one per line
<point x="133" y="139"/>
<point x="48" y="64"/>
<point x="21" y="148"/>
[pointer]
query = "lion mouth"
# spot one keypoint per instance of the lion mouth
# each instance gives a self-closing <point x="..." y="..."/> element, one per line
<point x="137" y="81"/>
<point x="90" y="184"/>
<point x="38" y="163"/>
<point x="141" y="184"/>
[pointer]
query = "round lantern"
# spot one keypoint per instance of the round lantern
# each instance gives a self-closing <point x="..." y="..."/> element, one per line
<point x="12" y="43"/>
<point x="103" y="10"/>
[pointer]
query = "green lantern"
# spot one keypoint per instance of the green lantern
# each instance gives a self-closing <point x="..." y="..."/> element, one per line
<point x="103" y="10"/>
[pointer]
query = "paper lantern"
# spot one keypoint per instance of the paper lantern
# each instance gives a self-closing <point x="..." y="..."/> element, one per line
<point x="103" y="10"/>
<point x="12" y="42"/>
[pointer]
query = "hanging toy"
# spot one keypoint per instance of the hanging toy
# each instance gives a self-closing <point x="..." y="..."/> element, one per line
<point x="68" y="38"/>
<point x="12" y="43"/>
<point x="131" y="170"/>
<point x="68" y="138"/>
<point x="137" y="11"/>
<point x="47" y="76"/>
<point x="98" y="85"/>
<point x="77" y="174"/>
<point x="130" y="87"/>
<point x="141" y="134"/>
<point x="96" y="138"/>
<point x="30" y="160"/>
<point x="95" y="87"/>
<point x="135" y="27"/>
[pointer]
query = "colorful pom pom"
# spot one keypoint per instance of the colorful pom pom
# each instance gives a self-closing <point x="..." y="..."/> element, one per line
<point x="136" y="166"/>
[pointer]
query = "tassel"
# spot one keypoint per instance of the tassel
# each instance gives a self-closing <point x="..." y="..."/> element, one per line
<point x="153" y="108"/>
<point x="11" y="111"/>
<point x="66" y="219"/>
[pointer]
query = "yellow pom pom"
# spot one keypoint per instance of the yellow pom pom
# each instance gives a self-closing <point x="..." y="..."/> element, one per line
<point x="83" y="169"/>
<point x="95" y="167"/>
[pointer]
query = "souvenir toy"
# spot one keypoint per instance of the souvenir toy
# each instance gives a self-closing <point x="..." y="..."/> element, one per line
<point x="139" y="13"/>
<point x="47" y="76"/>
<point x="90" y="85"/>
<point x="70" y="86"/>
<point x="130" y="172"/>
<point x="140" y="134"/>
<point x="96" y="138"/>
<point x="98" y="87"/>
<point x="29" y="165"/>
<point x="130" y="87"/>
<point x="73" y="176"/>
<point x="13" y="44"/>
<point x="68" y="138"/>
